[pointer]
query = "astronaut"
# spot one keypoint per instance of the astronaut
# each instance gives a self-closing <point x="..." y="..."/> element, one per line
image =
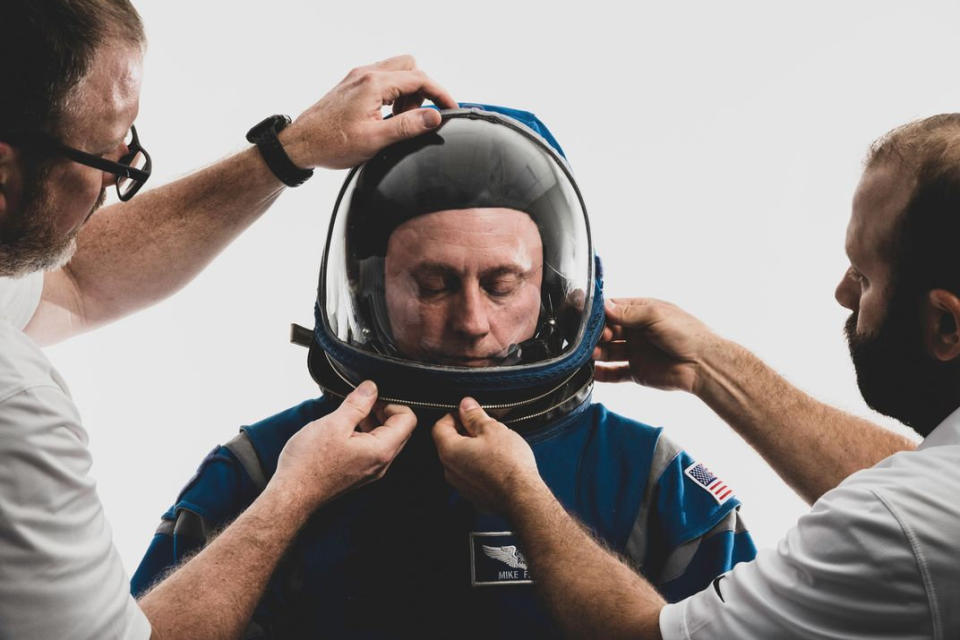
<point x="460" y="263"/>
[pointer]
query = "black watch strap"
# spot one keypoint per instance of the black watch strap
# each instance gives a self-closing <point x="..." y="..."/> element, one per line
<point x="264" y="135"/>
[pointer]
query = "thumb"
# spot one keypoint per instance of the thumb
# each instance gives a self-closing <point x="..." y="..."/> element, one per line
<point x="473" y="417"/>
<point x="355" y="407"/>
<point x="411" y="124"/>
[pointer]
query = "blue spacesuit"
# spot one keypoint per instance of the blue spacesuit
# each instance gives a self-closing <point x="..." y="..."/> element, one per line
<point x="407" y="555"/>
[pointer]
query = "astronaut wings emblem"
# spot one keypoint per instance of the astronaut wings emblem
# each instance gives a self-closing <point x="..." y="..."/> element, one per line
<point x="508" y="555"/>
<point x="496" y="559"/>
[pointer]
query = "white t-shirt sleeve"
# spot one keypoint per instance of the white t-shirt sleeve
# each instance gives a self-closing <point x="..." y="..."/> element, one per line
<point x="20" y="297"/>
<point x="60" y="575"/>
<point x="847" y="570"/>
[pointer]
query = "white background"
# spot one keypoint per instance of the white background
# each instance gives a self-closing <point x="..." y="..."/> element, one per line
<point x="717" y="145"/>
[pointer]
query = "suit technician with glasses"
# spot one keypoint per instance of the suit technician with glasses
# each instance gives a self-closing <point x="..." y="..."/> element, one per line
<point x="70" y="93"/>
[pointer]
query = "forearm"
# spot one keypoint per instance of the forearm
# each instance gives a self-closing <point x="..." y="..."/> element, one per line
<point x="135" y="253"/>
<point x="213" y="595"/>
<point x="132" y="254"/>
<point x="811" y="445"/>
<point x="589" y="591"/>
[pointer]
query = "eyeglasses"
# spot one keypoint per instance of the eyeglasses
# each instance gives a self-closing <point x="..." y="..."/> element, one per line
<point x="132" y="168"/>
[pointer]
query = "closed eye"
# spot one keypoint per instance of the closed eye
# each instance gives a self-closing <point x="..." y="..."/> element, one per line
<point x="435" y="284"/>
<point x="502" y="286"/>
<point x="502" y="281"/>
<point x="857" y="276"/>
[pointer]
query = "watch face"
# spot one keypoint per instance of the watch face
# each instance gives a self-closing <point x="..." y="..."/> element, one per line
<point x="271" y="124"/>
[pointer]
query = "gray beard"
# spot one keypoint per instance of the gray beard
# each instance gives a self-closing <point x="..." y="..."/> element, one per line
<point x="28" y="241"/>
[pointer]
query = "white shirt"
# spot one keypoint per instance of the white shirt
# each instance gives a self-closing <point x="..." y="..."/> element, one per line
<point x="876" y="557"/>
<point x="60" y="575"/>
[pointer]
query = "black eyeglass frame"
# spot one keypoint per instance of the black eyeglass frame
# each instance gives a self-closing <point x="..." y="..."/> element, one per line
<point x="121" y="168"/>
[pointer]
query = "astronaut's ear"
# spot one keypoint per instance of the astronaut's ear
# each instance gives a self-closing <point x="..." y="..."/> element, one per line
<point x="941" y="324"/>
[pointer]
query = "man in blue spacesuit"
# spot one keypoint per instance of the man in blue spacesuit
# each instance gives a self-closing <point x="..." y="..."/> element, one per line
<point x="460" y="263"/>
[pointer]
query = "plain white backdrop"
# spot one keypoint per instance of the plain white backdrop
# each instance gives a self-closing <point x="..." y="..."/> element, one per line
<point x="717" y="146"/>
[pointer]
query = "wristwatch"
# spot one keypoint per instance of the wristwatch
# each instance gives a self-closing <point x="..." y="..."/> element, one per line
<point x="264" y="135"/>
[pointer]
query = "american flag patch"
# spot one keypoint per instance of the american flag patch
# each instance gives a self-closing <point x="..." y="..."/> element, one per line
<point x="713" y="485"/>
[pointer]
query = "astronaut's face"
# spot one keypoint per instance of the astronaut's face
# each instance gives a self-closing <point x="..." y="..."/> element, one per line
<point x="463" y="286"/>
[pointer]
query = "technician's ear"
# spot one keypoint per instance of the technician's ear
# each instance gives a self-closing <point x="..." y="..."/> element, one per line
<point x="941" y="324"/>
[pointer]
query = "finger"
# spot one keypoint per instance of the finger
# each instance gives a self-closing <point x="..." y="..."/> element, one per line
<point x="445" y="432"/>
<point x="612" y="373"/>
<point x="399" y="83"/>
<point x="380" y="412"/>
<point x="395" y="432"/>
<point x="607" y="334"/>
<point x="410" y="124"/>
<point x="376" y="417"/>
<point x="407" y="102"/>
<point x="355" y="407"/>
<point x="403" y="62"/>
<point x="631" y="312"/>
<point x="613" y="332"/>
<point x="617" y="351"/>
<point x="394" y="409"/>
<point x="369" y="423"/>
<point x="472" y="416"/>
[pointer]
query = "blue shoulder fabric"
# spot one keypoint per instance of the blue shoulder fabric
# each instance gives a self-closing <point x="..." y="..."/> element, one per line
<point x="269" y="435"/>
<point x="219" y="491"/>
<point x="715" y="555"/>
<point x="698" y="533"/>
<point x="693" y="509"/>
<point x="597" y="468"/>
<point x="216" y="494"/>
<point x="602" y="468"/>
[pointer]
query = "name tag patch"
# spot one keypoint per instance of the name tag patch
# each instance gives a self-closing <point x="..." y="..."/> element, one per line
<point x="495" y="559"/>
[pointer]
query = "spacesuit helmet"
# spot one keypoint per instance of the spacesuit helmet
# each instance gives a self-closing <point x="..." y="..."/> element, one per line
<point x="460" y="263"/>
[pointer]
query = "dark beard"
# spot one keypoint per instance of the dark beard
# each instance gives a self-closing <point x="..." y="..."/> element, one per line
<point x="28" y="239"/>
<point x="896" y="375"/>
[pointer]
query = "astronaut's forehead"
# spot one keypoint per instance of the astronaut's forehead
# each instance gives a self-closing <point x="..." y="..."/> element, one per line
<point x="459" y="239"/>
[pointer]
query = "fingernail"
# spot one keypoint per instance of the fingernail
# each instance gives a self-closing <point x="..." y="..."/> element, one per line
<point x="430" y="118"/>
<point x="367" y="388"/>
<point x="611" y="302"/>
<point x="469" y="404"/>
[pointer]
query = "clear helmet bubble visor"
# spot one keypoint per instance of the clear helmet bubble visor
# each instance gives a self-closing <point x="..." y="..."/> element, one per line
<point x="464" y="250"/>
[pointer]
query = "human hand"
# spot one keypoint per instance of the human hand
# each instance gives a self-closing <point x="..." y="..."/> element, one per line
<point x="491" y="465"/>
<point x="654" y="343"/>
<point x="345" y="127"/>
<point x="330" y="455"/>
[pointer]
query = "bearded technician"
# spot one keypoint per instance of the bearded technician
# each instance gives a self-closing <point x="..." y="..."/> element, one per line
<point x="67" y="106"/>
<point x="876" y="557"/>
